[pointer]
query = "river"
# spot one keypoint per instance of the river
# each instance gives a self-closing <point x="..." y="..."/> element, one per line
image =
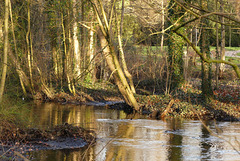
<point x="135" y="138"/>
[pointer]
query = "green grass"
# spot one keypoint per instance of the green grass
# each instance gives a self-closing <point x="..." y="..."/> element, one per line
<point x="11" y="111"/>
<point x="233" y="59"/>
<point x="232" y="48"/>
<point x="238" y="54"/>
<point x="146" y="50"/>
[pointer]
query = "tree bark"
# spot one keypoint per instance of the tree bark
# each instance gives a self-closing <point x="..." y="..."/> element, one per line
<point x="119" y="77"/>
<point x="122" y="55"/>
<point x="1" y="30"/>
<point x="5" y="50"/>
<point x="163" y="23"/>
<point x="29" y="43"/>
<point x="77" y="55"/>
<point x="175" y="48"/>
<point x="222" y="50"/>
<point x="207" y="92"/>
<point x="91" y="54"/>
<point x="217" y="47"/>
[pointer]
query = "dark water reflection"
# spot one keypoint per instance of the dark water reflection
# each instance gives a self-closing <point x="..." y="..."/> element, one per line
<point x="136" y="139"/>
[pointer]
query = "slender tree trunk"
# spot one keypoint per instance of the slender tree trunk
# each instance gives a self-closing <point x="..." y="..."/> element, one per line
<point x="230" y="36"/>
<point x="29" y="45"/>
<point x="222" y="50"/>
<point x="66" y="59"/>
<point x="5" y="50"/>
<point x="163" y="23"/>
<point x="217" y="48"/>
<point x="77" y="55"/>
<point x="1" y="30"/>
<point x="16" y="52"/>
<point x="207" y="92"/>
<point x="91" y="54"/>
<point x="122" y="55"/>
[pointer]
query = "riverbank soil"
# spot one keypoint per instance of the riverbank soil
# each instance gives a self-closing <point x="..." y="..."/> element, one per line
<point x="184" y="102"/>
<point x="16" y="142"/>
<point x="187" y="102"/>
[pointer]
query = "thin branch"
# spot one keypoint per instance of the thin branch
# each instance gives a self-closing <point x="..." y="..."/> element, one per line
<point x="214" y="134"/>
<point x="209" y="60"/>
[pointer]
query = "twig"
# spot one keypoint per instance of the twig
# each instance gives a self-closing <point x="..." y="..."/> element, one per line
<point x="85" y="152"/>
<point x="214" y="134"/>
<point x="21" y="156"/>
<point x="168" y="108"/>
<point x="107" y="145"/>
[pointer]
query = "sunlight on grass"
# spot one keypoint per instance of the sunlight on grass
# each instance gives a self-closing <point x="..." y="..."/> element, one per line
<point x="233" y="59"/>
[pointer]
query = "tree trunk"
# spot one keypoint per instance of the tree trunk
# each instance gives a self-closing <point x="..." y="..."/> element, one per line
<point x="217" y="48"/>
<point x="29" y="45"/>
<point x="124" y="64"/>
<point x="67" y="70"/>
<point x="5" y="50"/>
<point x="207" y="92"/>
<point x="175" y="48"/>
<point x="119" y="77"/>
<point x="91" y="54"/>
<point x="222" y="50"/>
<point x="163" y="23"/>
<point x="77" y="55"/>
<point x="1" y="30"/>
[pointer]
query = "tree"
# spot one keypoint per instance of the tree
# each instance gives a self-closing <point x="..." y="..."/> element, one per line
<point x="175" y="45"/>
<point x="205" y="50"/>
<point x="106" y="41"/>
<point x="222" y="49"/>
<point x="77" y="55"/>
<point x="5" y="52"/>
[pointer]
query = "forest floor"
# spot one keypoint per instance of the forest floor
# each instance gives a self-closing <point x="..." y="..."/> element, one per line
<point x="185" y="102"/>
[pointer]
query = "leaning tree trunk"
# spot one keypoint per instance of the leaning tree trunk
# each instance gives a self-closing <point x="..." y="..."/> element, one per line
<point x="119" y="77"/>
<point x="110" y="54"/>
<point x="121" y="52"/>
<point x="5" y="50"/>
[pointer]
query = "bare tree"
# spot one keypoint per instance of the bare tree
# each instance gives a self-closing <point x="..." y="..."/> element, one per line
<point x="109" y="52"/>
<point x="5" y="52"/>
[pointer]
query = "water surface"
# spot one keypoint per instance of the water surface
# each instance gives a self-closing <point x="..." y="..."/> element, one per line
<point x="132" y="138"/>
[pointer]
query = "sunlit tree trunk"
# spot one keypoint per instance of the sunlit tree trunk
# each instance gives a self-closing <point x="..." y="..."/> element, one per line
<point x="207" y="92"/>
<point x="1" y="30"/>
<point x="77" y="55"/>
<point x="110" y="53"/>
<point x="121" y="52"/>
<point x="119" y="77"/>
<point x="29" y="44"/>
<point x="91" y="53"/>
<point x="163" y="23"/>
<point x="66" y="61"/>
<point x="5" y="50"/>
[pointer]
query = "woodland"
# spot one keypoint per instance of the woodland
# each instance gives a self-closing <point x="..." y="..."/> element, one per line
<point x="163" y="58"/>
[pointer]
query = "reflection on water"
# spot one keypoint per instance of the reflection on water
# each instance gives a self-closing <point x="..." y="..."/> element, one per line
<point x="120" y="138"/>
